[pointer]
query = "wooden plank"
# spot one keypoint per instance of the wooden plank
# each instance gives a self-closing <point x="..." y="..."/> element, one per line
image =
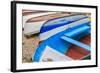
<point x="72" y="41"/>
<point x="78" y="53"/>
<point x="26" y="12"/>
<point x="48" y="17"/>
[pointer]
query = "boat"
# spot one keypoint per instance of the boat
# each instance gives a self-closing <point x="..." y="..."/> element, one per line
<point x="33" y="23"/>
<point x="29" y="14"/>
<point x="59" y="38"/>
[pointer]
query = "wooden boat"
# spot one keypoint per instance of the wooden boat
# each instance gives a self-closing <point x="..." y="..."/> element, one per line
<point x="65" y="36"/>
<point x="34" y="24"/>
<point x="29" y="15"/>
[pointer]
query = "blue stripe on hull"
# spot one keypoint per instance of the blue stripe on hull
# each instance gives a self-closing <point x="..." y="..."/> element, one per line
<point x="54" y="23"/>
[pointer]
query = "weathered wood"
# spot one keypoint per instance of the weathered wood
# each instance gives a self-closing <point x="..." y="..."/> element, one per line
<point x="48" y="17"/>
<point x="76" y="52"/>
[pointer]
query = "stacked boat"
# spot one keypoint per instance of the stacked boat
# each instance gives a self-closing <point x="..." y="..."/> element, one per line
<point x="63" y="36"/>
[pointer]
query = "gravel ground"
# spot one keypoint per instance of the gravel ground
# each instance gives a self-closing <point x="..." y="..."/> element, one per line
<point x="29" y="46"/>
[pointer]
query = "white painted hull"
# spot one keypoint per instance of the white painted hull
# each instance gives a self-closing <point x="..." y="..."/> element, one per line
<point x="50" y="54"/>
<point x="25" y="18"/>
<point x="33" y="27"/>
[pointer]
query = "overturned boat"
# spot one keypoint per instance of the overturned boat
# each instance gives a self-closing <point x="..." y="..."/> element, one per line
<point x="33" y="23"/>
